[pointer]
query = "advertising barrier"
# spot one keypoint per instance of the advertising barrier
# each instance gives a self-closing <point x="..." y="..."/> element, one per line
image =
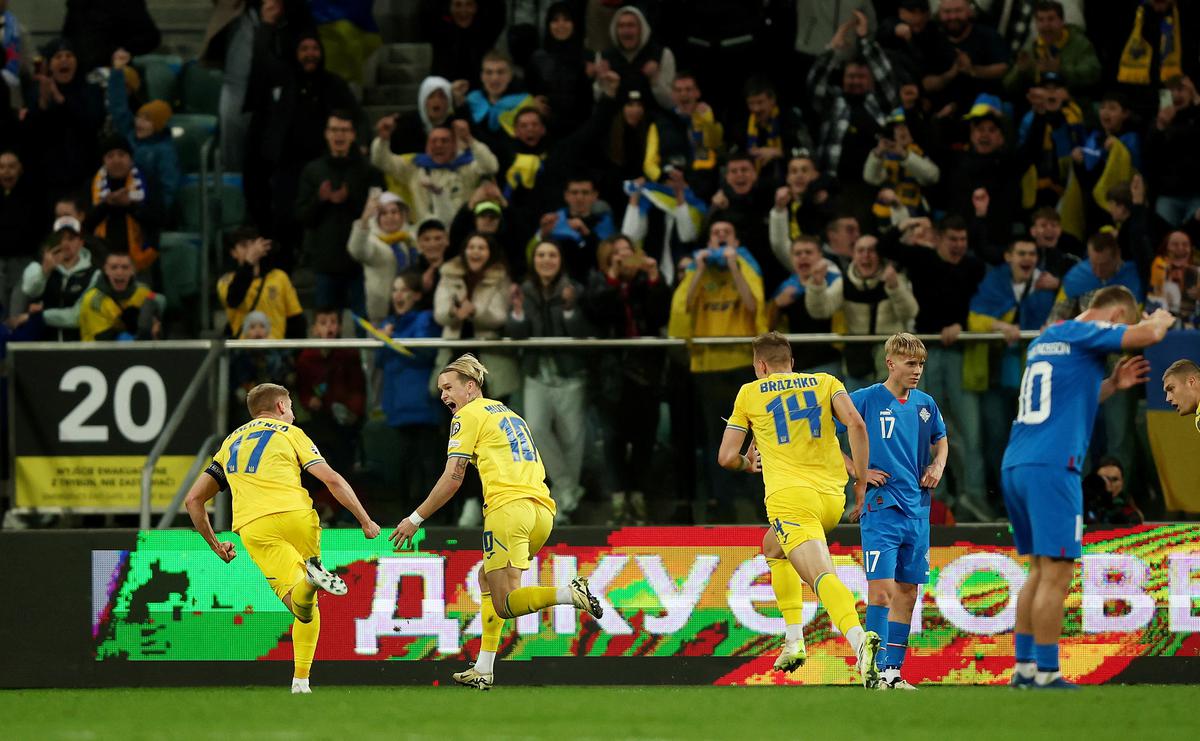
<point x="84" y="420"/>
<point x="696" y="595"/>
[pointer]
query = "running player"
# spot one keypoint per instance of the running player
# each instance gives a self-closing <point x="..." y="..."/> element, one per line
<point x="1061" y="388"/>
<point x="517" y="509"/>
<point x="260" y="463"/>
<point x="904" y="425"/>
<point x="1181" y="384"/>
<point x="791" y="415"/>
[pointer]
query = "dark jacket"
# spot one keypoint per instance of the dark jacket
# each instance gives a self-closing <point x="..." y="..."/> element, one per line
<point x="544" y="314"/>
<point x="155" y="155"/>
<point x="97" y="28"/>
<point x="64" y="137"/>
<point x="628" y="309"/>
<point x="19" y="220"/>
<point x="943" y="291"/>
<point x="1173" y="154"/>
<point x="326" y="224"/>
<point x="458" y="52"/>
<point x="296" y="132"/>
<point x="1000" y="174"/>
<point x="557" y="71"/>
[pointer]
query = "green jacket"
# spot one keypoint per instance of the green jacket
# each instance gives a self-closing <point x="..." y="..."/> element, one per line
<point x="1080" y="66"/>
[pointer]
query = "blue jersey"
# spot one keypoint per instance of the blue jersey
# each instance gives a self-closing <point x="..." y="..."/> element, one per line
<point x="1060" y="392"/>
<point x="900" y="433"/>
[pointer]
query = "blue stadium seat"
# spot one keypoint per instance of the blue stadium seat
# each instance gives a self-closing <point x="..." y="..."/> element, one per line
<point x="190" y="131"/>
<point x="160" y="76"/>
<point x="179" y="255"/>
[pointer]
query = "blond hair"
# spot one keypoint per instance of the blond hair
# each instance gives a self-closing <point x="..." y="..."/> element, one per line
<point x="468" y="367"/>
<point x="1182" y="368"/>
<point x="906" y="345"/>
<point x="263" y="397"/>
<point x="1116" y="296"/>
<point x="773" y="349"/>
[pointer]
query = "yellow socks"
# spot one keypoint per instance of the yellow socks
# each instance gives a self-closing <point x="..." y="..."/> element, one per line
<point x="789" y="590"/>
<point x="531" y="599"/>
<point x="304" y="642"/>
<point x="838" y="601"/>
<point x="493" y="624"/>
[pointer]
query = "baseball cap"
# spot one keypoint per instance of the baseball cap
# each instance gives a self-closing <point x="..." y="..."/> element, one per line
<point x="484" y="207"/>
<point x="68" y="223"/>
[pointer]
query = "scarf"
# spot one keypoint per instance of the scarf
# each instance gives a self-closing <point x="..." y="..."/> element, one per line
<point x="766" y="133"/>
<point x="523" y="172"/>
<point x="1043" y="51"/>
<point x="143" y="254"/>
<point x="1135" y="61"/>
<point x="499" y="115"/>
<point x="425" y="162"/>
<point x="908" y="190"/>
<point x="405" y="254"/>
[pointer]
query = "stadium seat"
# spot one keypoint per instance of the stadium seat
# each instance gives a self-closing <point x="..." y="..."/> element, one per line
<point x="190" y="131"/>
<point x="179" y="254"/>
<point x="160" y="76"/>
<point x="191" y="218"/>
<point x="200" y="89"/>
<point x="232" y="201"/>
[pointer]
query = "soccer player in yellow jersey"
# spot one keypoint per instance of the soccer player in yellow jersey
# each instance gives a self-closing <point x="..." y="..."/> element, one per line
<point x="260" y="463"/>
<point x="1181" y="384"/>
<point x="792" y="417"/>
<point x="517" y="509"/>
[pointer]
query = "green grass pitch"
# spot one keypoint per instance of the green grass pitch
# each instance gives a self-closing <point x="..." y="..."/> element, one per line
<point x="601" y="713"/>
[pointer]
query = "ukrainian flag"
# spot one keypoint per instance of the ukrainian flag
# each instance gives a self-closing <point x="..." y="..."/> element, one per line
<point x="1174" y="440"/>
<point x="655" y="195"/>
<point x="349" y="34"/>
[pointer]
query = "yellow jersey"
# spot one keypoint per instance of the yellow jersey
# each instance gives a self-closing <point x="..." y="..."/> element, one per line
<point x="719" y="313"/>
<point x="273" y="295"/>
<point x="262" y="461"/>
<point x="1197" y="419"/>
<point x="791" y="416"/>
<point x="499" y="443"/>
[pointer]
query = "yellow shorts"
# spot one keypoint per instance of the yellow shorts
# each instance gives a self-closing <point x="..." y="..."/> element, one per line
<point x="280" y="544"/>
<point x="799" y="514"/>
<point x="513" y="532"/>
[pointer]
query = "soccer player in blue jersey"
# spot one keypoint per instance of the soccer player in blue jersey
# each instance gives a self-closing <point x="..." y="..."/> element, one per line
<point x="1062" y="386"/>
<point x="908" y="444"/>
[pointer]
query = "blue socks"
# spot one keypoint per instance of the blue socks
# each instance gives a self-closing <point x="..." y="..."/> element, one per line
<point x="877" y="621"/>
<point x="1047" y="657"/>
<point x="896" y="641"/>
<point x="1024" y="646"/>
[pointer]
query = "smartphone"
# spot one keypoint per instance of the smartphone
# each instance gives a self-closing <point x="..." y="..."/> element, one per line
<point x="1164" y="99"/>
<point x="374" y="192"/>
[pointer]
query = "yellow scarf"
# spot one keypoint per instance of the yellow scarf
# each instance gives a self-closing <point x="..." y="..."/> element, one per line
<point x="1043" y="51"/>
<point x="523" y="172"/>
<point x="1135" y="59"/>
<point x="393" y="237"/>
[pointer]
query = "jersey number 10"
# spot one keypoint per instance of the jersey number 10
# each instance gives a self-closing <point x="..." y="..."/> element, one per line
<point x="786" y="408"/>
<point x="1035" y="410"/>
<point x="519" y="439"/>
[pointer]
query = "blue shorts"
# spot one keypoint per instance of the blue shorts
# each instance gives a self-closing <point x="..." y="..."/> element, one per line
<point x="1045" y="506"/>
<point x="895" y="546"/>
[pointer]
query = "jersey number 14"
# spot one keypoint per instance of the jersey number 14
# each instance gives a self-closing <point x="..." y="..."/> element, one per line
<point x="786" y="408"/>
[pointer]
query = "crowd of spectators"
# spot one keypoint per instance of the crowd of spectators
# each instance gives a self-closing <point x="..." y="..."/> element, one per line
<point x="661" y="168"/>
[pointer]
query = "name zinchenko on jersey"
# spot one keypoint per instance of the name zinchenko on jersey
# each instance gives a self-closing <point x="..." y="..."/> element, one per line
<point x="784" y="384"/>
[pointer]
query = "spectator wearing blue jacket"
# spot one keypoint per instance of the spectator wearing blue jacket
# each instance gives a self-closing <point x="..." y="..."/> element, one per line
<point x="153" y="148"/>
<point x="1011" y="298"/>
<point x="407" y="404"/>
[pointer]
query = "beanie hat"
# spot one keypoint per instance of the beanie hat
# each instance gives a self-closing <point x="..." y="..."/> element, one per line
<point x="115" y="142"/>
<point x="158" y="112"/>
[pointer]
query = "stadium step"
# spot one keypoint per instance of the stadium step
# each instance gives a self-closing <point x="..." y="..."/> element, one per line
<point x="392" y="95"/>
<point x="418" y="55"/>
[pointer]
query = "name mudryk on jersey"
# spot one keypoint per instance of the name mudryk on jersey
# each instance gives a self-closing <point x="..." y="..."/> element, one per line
<point x="785" y="384"/>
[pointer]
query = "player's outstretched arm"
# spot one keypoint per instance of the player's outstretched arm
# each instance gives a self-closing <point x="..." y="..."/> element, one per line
<point x="205" y="488"/>
<point x="1149" y="331"/>
<point x="730" y="455"/>
<point x="445" y="488"/>
<point x="345" y="495"/>
<point x="860" y="450"/>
